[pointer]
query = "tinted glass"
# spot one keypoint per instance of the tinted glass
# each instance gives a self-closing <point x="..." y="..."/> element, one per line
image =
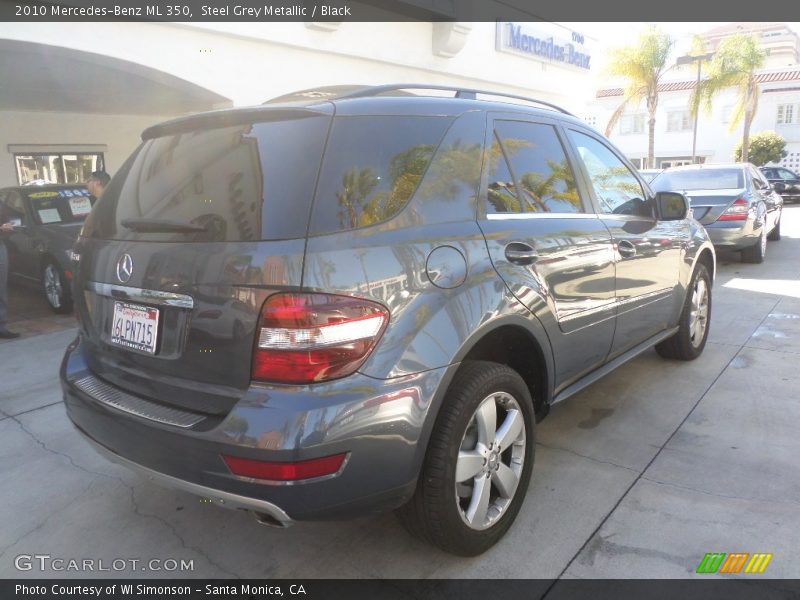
<point x="615" y="186"/>
<point x="700" y="179"/>
<point x="539" y="163"/>
<point x="56" y="207"/>
<point x="372" y="168"/>
<point x="501" y="193"/>
<point x="786" y="174"/>
<point x="248" y="182"/>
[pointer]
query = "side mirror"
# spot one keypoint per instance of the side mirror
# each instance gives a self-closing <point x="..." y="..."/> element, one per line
<point x="779" y="187"/>
<point x="672" y="206"/>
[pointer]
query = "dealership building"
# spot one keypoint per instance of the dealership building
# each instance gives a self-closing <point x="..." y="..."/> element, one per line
<point x="75" y="97"/>
<point x="778" y="105"/>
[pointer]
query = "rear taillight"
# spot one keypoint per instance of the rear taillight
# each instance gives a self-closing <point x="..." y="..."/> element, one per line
<point x="305" y="338"/>
<point x="284" y="471"/>
<point x="737" y="211"/>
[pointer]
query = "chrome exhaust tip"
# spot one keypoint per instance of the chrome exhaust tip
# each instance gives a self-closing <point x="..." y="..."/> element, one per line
<point x="268" y="520"/>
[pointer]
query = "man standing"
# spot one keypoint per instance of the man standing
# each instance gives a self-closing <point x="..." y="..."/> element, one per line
<point x="96" y="183"/>
<point x="5" y="228"/>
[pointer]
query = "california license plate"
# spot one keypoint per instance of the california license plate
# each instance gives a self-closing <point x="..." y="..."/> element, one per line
<point x="135" y="326"/>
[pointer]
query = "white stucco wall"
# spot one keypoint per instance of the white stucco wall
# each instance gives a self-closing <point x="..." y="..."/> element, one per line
<point x="117" y="135"/>
<point x="250" y="63"/>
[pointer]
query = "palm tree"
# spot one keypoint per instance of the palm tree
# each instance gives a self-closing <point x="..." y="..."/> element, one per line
<point x="735" y="64"/>
<point x="643" y="65"/>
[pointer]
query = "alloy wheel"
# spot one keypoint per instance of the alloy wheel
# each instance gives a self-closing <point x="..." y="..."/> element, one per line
<point x="490" y="461"/>
<point x="52" y="286"/>
<point x="698" y="312"/>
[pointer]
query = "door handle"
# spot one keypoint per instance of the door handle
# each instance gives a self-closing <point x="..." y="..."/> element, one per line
<point x="626" y="249"/>
<point x="520" y="253"/>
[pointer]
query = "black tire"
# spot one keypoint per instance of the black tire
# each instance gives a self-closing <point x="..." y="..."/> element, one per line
<point x="55" y="288"/>
<point x="682" y="345"/>
<point x="775" y="234"/>
<point x="755" y="254"/>
<point x="436" y="512"/>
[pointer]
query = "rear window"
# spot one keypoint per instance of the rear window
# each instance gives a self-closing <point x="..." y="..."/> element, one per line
<point x="245" y="182"/>
<point x="705" y="179"/>
<point x="60" y="207"/>
<point x="372" y="168"/>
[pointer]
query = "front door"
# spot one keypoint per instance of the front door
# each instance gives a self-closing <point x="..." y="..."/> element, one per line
<point x="647" y="251"/>
<point x="550" y="248"/>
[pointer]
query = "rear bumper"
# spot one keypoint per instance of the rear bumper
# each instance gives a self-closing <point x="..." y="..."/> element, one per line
<point x="225" y="499"/>
<point x="735" y="235"/>
<point x="382" y="425"/>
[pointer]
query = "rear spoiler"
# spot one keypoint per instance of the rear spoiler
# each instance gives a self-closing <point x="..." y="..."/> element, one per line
<point x="233" y="116"/>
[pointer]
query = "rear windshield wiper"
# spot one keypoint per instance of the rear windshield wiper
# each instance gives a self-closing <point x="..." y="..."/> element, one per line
<point x="161" y="226"/>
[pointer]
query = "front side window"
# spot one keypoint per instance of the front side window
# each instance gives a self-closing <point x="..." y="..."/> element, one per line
<point x="786" y="174"/>
<point x="538" y="164"/>
<point x="14" y="209"/>
<point x="616" y="188"/>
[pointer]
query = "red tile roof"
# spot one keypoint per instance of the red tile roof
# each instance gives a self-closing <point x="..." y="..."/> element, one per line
<point x="677" y="86"/>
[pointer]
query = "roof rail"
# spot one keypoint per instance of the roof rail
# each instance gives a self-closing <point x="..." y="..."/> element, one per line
<point x="347" y="92"/>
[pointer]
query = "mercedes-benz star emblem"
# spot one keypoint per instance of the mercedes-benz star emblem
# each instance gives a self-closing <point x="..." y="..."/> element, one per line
<point x="124" y="268"/>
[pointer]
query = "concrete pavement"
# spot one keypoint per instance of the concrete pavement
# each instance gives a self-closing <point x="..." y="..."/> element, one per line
<point x="639" y="475"/>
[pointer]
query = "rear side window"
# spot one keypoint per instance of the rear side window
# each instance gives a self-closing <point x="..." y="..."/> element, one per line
<point x="529" y="171"/>
<point x="246" y="182"/>
<point x="372" y="167"/>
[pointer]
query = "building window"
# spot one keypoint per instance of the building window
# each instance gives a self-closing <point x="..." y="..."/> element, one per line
<point x="666" y="163"/>
<point x="629" y="124"/>
<point x="787" y="114"/>
<point x="679" y="120"/>
<point x="591" y="122"/>
<point x="57" y="168"/>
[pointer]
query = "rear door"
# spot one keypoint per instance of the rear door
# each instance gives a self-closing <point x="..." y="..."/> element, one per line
<point x="647" y="251"/>
<point x="550" y="248"/>
<point x="187" y="241"/>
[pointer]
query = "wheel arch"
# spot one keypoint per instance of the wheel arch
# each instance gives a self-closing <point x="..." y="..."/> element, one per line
<point x="525" y="333"/>
<point x="514" y="342"/>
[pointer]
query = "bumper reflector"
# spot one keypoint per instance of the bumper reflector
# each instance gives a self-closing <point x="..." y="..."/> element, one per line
<point x="284" y="471"/>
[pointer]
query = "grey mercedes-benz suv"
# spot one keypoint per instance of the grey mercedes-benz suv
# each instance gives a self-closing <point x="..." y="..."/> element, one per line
<point x="351" y="300"/>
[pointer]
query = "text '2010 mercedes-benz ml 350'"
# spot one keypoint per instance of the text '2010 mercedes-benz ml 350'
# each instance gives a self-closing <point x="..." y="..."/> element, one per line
<point x="351" y="300"/>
